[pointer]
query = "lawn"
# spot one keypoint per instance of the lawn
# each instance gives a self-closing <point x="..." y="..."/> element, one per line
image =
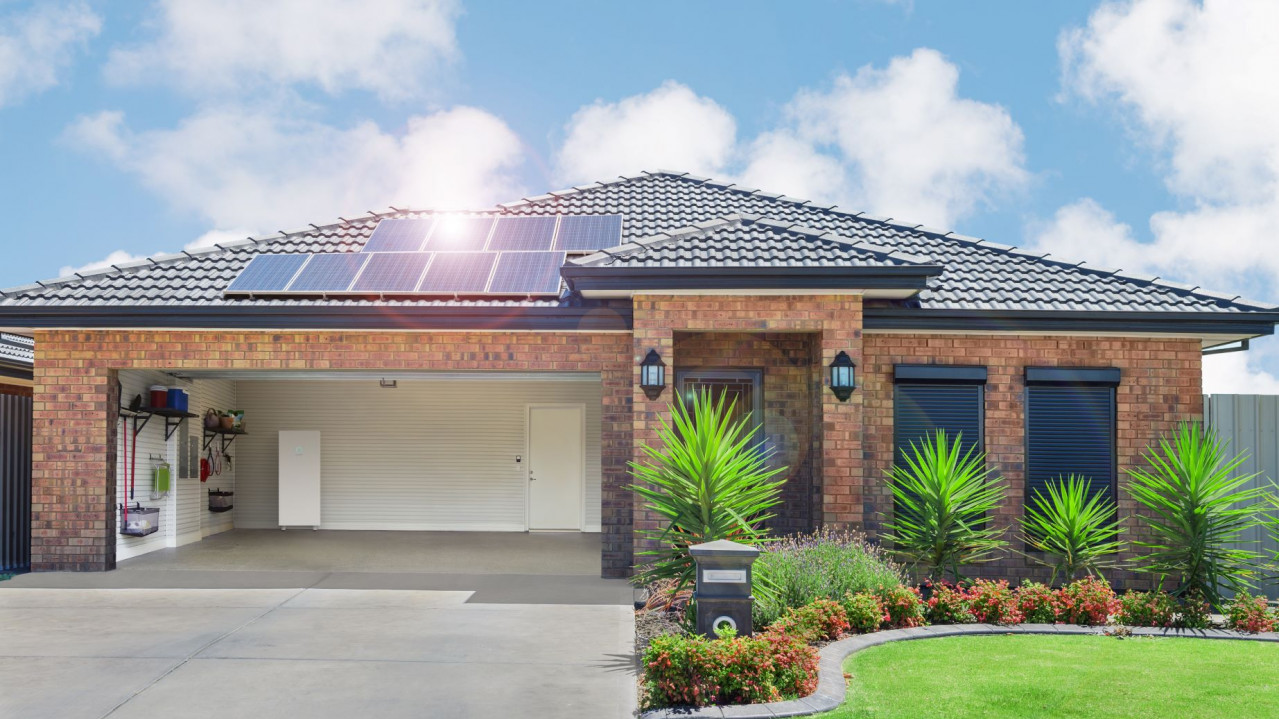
<point x="1063" y="676"/>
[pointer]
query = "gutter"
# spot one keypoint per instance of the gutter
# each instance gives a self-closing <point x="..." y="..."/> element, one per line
<point x="626" y="279"/>
<point x="1188" y="323"/>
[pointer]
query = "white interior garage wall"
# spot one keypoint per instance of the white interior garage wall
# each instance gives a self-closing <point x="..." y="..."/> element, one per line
<point x="428" y="454"/>
<point x="184" y="515"/>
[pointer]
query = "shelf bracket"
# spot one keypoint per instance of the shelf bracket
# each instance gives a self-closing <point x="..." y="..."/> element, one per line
<point x="171" y="425"/>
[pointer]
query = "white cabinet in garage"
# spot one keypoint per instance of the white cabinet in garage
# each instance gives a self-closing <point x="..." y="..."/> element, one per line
<point x="299" y="478"/>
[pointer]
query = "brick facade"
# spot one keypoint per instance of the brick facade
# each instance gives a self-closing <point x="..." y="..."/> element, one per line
<point x="1160" y="386"/>
<point x="74" y="483"/>
<point x="838" y="451"/>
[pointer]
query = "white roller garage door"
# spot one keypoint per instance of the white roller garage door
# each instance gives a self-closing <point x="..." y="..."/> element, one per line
<point x="430" y="454"/>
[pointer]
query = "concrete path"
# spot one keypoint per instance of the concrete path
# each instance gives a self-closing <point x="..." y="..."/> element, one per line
<point x="312" y="653"/>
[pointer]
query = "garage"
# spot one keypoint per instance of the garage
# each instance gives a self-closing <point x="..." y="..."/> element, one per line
<point x="475" y="451"/>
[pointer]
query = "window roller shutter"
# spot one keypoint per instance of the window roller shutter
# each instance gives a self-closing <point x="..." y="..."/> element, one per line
<point x="922" y="409"/>
<point x="1070" y="430"/>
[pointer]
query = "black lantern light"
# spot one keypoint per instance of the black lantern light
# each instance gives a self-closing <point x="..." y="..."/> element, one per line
<point x="841" y="376"/>
<point x="653" y="375"/>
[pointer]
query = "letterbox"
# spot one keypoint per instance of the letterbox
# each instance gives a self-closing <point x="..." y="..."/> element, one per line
<point x="723" y="587"/>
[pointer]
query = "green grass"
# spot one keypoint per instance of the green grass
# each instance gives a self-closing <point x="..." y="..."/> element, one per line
<point x="1063" y="676"/>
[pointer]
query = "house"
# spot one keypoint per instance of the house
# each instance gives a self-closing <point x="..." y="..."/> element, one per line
<point x="483" y="371"/>
<point x="17" y="354"/>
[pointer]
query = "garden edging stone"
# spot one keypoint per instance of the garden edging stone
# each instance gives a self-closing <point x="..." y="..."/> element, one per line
<point x="831" y="686"/>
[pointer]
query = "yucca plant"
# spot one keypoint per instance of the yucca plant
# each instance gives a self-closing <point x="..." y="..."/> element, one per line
<point x="709" y="480"/>
<point x="1072" y="530"/>
<point x="942" y="496"/>
<point x="1197" y="512"/>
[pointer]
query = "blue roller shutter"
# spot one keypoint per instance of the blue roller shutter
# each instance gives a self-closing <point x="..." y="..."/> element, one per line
<point x="1070" y="429"/>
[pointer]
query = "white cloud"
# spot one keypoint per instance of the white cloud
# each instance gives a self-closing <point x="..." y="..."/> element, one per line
<point x="248" y="169"/>
<point x="897" y="141"/>
<point x="37" y="46"/>
<point x="1240" y="373"/>
<point x="1084" y="231"/>
<point x="669" y="128"/>
<point x="389" y="47"/>
<point x="115" y="258"/>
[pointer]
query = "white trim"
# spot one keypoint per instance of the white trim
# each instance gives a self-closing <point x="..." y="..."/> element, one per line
<point x="410" y="527"/>
<point x="528" y="452"/>
<point x="189" y="538"/>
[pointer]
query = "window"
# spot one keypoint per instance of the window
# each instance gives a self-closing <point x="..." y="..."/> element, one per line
<point x="1070" y="427"/>
<point x="928" y="398"/>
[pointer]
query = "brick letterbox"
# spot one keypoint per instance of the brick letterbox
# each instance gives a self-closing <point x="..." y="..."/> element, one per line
<point x="723" y="589"/>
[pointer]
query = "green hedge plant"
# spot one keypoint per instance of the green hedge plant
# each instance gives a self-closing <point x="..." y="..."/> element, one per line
<point x="942" y="497"/>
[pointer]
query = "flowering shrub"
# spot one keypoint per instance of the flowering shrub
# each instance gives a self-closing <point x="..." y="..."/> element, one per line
<point x="902" y="606"/>
<point x="864" y="611"/>
<point x="1086" y="601"/>
<point x="826" y="564"/>
<point x="994" y="603"/>
<point x="1036" y="602"/>
<point x="1195" y="612"/>
<point x="696" y="671"/>
<point x="1250" y="614"/>
<point x="950" y="604"/>
<point x="1147" y="609"/>
<point x="823" y="619"/>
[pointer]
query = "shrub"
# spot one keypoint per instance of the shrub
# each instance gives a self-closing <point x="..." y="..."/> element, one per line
<point x="709" y="481"/>
<point x="864" y="611"/>
<point x="1073" y="530"/>
<point x="696" y="671"/>
<point x="942" y="496"/>
<point x="827" y="564"/>
<point x="1036" y="602"/>
<point x="949" y="604"/>
<point x="1196" y="509"/>
<point x="1195" y="612"/>
<point x="1147" y="609"/>
<point x="903" y="607"/>
<point x="821" y="620"/>
<point x="1086" y="601"/>
<point x="1250" y="614"/>
<point x="994" y="603"/>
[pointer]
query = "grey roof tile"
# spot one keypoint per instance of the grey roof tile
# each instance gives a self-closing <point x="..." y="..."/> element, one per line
<point x="17" y="350"/>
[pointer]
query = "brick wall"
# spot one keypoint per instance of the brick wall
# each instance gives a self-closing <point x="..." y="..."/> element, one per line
<point x="1160" y="386"/>
<point x="73" y="517"/>
<point x="835" y="322"/>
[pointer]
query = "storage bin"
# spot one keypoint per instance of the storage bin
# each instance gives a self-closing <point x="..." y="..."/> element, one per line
<point x="220" y="501"/>
<point x="159" y="397"/>
<point x="178" y="399"/>
<point x="140" y="521"/>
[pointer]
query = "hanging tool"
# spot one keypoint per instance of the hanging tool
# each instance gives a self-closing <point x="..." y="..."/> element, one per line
<point x="125" y="449"/>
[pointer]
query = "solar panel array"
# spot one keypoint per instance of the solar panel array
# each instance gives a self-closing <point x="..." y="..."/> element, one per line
<point x="515" y="273"/>
<point x="442" y="255"/>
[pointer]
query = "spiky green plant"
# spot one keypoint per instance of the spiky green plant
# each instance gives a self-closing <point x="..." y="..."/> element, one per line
<point x="709" y="480"/>
<point x="942" y="497"/>
<point x="1072" y="530"/>
<point x="1197" y="513"/>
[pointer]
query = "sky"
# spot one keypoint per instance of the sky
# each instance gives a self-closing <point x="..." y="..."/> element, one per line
<point x="1133" y="134"/>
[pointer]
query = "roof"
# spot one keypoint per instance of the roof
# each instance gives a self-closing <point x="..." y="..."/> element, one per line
<point x="16" y="352"/>
<point x="665" y="228"/>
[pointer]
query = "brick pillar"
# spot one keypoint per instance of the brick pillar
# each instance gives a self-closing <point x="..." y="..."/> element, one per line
<point x="842" y="460"/>
<point x="617" y="552"/>
<point x="651" y="331"/>
<point x="73" y="518"/>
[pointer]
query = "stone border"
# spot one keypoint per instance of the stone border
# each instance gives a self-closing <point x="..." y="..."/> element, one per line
<point x="831" y="685"/>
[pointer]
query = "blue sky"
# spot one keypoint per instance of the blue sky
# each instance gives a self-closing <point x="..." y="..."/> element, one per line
<point x="1134" y="134"/>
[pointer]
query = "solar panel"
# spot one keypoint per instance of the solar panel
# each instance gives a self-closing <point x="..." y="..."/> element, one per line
<point x="523" y="233"/>
<point x="267" y="273"/>
<point x="392" y="272"/>
<point x="532" y="273"/>
<point x="399" y="236"/>
<point x="328" y="273"/>
<point x="458" y="272"/>
<point x="583" y="233"/>
<point x="459" y="234"/>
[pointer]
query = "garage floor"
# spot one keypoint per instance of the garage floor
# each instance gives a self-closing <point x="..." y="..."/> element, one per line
<point x="325" y="624"/>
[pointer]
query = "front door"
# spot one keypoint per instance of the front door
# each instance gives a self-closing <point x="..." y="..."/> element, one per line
<point x="742" y="388"/>
<point x="556" y="464"/>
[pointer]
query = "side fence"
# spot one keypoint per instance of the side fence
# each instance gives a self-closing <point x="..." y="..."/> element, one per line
<point x="15" y="483"/>
<point x="1250" y="423"/>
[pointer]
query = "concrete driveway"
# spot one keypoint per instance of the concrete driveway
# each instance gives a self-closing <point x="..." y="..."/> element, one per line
<point x="151" y="642"/>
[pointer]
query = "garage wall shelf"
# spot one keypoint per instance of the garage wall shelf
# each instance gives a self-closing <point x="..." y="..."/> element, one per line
<point x="227" y="435"/>
<point x="173" y="418"/>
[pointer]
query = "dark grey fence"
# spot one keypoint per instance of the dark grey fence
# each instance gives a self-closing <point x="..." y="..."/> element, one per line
<point x="1250" y="423"/>
<point x="15" y="483"/>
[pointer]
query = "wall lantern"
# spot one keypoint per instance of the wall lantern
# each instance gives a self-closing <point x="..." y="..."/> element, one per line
<point x="653" y="375"/>
<point x="841" y="376"/>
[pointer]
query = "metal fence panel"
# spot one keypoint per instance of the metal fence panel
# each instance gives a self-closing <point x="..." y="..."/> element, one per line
<point x="15" y="483"/>
<point x="1250" y="424"/>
